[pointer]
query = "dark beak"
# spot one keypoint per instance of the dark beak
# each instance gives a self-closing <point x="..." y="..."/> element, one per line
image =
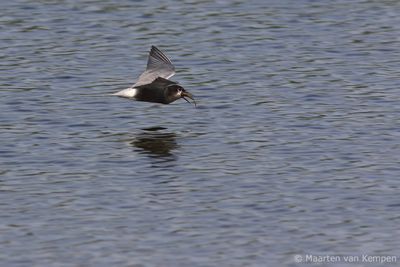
<point x="189" y="95"/>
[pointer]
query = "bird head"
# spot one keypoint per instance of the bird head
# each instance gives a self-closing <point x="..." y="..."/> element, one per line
<point x="175" y="92"/>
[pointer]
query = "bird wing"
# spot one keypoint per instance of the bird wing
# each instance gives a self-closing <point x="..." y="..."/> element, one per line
<point x="158" y="65"/>
<point x="158" y="83"/>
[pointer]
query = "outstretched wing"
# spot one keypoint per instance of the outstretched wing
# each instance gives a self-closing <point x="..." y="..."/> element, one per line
<point x="158" y="62"/>
<point x="158" y="65"/>
<point x="158" y="84"/>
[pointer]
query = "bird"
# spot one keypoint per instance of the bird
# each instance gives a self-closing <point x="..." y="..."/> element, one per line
<point x="153" y="85"/>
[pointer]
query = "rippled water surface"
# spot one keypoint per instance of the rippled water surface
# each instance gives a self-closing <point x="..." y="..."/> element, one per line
<point x="293" y="149"/>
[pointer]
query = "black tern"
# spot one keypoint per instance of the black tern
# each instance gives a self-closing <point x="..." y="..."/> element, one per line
<point x="153" y="84"/>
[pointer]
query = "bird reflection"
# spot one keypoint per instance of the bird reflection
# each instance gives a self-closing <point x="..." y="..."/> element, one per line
<point x="155" y="143"/>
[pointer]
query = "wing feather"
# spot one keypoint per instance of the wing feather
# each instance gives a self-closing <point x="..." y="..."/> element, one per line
<point x="158" y="65"/>
<point x="157" y="60"/>
<point x="158" y="83"/>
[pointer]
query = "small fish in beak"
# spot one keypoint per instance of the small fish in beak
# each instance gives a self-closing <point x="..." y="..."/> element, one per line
<point x="189" y="95"/>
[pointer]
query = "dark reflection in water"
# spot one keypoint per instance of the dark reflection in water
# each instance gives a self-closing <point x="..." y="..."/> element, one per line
<point x="156" y="144"/>
<point x="154" y="128"/>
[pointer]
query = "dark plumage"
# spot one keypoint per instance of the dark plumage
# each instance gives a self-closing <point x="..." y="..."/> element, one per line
<point x="153" y="84"/>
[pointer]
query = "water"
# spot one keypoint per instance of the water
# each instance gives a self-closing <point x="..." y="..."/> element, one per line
<point x="293" y="148"/>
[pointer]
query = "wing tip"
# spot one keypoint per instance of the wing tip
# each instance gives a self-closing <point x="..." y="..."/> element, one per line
<point x="159" y="55"/>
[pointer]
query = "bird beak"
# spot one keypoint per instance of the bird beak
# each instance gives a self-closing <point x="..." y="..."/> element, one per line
<point x="189" y="95"/>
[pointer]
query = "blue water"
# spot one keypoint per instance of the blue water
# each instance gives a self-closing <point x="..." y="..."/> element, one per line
<point x="292" y="150"/>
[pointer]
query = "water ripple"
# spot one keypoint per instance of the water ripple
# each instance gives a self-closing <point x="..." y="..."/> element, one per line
<point x="292" y="148"/>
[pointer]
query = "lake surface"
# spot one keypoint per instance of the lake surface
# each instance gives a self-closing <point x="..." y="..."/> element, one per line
<point x="292" y="150"/>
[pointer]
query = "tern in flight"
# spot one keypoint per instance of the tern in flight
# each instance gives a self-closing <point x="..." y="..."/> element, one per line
<point x="154" y="85"/>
